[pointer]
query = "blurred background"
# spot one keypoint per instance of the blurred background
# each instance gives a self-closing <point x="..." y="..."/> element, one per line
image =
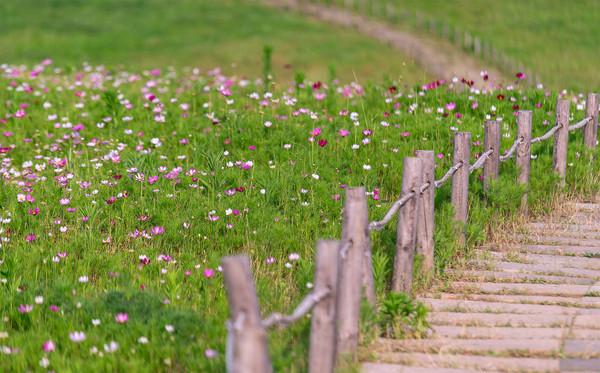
<point x="555" y="41"/>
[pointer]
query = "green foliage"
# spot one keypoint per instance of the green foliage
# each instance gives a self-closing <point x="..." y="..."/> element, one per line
<point x="400" y="316"/>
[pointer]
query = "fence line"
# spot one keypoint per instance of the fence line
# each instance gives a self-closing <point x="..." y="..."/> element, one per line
<point x="343" y="270"/>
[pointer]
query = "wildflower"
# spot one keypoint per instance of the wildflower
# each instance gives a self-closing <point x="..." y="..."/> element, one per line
<point x="111" y="347"/>
<point x="25" y="308"/>
<point x="49" y="346"/>
<point x="343" y="132"/>
<point x="209" y="272"/>
<point x="142" y="340"/>
<point x="121" y="318"/>
<point x="210" y="353"/>
<point x="169" y="328"/>
<point x="157" y="230"/>
<point x="77" y="336"/>
<point x="44" y="362"/>
<point x="450" y="106"/>
<point x="83" y="279"/>
<point x="30" y="237"/>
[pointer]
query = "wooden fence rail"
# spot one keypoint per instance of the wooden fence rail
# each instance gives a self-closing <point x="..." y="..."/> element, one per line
<point x="343" y="270"/>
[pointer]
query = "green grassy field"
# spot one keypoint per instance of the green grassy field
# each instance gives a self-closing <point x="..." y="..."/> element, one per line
<point x="210" y="33"/>
<point x="120" y="192"/>
<point x="557" y="39"/>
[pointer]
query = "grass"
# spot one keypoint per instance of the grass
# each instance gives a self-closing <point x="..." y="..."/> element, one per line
<point x="554" y="38"/>
<point x="144" y="180"/>
<point x="211" y="33"/>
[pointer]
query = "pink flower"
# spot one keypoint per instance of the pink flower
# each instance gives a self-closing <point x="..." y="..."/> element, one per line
<point x="25" y="308"/>
<point x="157" y="230"/>
<point x="440" y="156"/>
<point x="30" y="237"/>
<point x="152" y="179"/>
<point x="209" y="272"/>
<point x="53" y="308"/>
<point x="520" y="75"/>
<point x="450" y="106"/>
<point x="343" y="132"/>
<point x="376" y="194"/>
<point x="121" y="318"/>
<point x="65" y="201"/>
<point x="322" y="143"/>
<point x="315" y="132"/>
<point x="48" y="346"/>
<point x="20" y="114"/>
<point x="474" y="105"/>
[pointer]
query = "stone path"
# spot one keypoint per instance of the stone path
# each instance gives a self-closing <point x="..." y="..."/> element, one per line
<point x="439" y="58"/>
<point x="529" y="306"/>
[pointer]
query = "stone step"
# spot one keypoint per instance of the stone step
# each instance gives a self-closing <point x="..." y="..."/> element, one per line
<point x="465" y="306"/>
<point x="562" y="226"/>
<point x="579" y="365"/>
<point x="506" y="276"/>
<point x="530" y="258"/>
<point x="587" y="321"/>
<point x="582" y="348"/>
<point x="587" y="251"/>
<point x="553" y="239"/>
<point x="520" y="288"/>
<point x="578" y="333"/>
<point x="587" y="302"/>
<point x="547" y="269"/>
<point x="518" y="347"/>
<point x="478" y="332"/>
<point x="501" y="319"/>
<point x="481" y="363"/>
<point x="395" y="368"/>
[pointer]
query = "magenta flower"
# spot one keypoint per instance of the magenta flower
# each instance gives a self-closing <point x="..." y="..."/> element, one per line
<point x="152" y="179"/>
<point x="25" y="308"/>
<point x="315" y="132"/>
<point x="450" y="106"/>
<point x="30" y="237"/>
<point x="157" y="230"/>
<point x="343" y="132"/>
<point x="520" y="75"/>
<point x="209" y="272"/>
<point x="53" y="308"/>
<point x="48" y="346"/>
<point x="121" y="318"/>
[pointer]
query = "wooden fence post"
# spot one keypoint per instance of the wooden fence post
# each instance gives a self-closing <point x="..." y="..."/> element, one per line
<point x="523" y="157"/>
<point x="426" y="219"/>
<point x="249" y="352"/>
<point x="406" y="235"/>
<point x="321" y="355"/>
<point x="561" y="140"/>
<point x="491" y="141"/>
<point x="590" y="134"/>
<point x="351" y="272"/>
<point x="460" y="180"/>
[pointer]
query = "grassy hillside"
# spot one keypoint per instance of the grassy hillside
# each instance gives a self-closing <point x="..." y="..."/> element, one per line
<point x="120" y="192"/>
<point x="208" y="33"/>
<point x="556" y="38"/>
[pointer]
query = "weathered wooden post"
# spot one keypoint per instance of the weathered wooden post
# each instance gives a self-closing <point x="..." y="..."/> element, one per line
<point x="247" y="349"/>
<point x="561" y="140"/>
<point x="523" y="158"/>
<point x="355" y="238"/>
<point x="491" y="141"/>
<point x="460" y="181"/>
<point x="322" y="354"/>
<point x="406" y="235"/>
<point x="590" y="134"/>
<point x="426" y="219"/>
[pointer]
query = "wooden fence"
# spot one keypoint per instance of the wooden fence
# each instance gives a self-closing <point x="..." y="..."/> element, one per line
<point x="344" y="273"/>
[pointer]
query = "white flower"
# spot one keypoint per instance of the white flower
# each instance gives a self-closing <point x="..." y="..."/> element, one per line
<point x="77" y="336"/>
<point x="169" y="328"/>
<point x="142" y="340"/>
<point x="44" y="362"/>
<point x="96" y="322"/>
<point x="366" y="167"/>
<point x="315" y="176"/>
<point x="268" y="124"/>
<point x="83" y="279"/>
<point x="39" y="299"/>
<point x="111" y="347"/>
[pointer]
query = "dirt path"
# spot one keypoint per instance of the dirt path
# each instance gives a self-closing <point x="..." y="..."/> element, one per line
<point x="440" y="59"/>
<point x="533" y="306"/>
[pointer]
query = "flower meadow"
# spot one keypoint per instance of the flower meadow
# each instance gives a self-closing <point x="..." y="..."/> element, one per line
<point x="120" y="191"/>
